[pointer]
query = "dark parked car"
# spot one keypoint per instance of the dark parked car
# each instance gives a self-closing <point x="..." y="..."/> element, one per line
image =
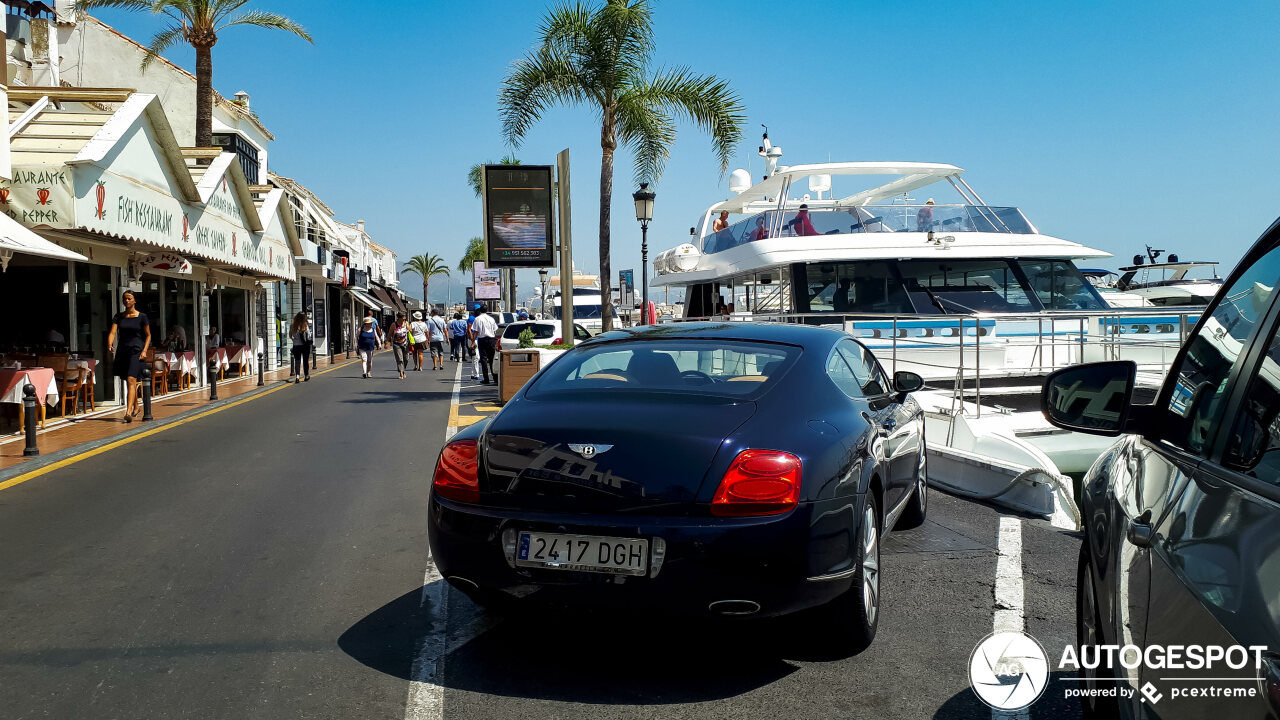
<point x="701" y="469"/>
<point x="1182" y="516"/>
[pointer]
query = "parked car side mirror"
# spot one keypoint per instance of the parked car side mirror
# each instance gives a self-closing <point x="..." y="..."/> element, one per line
<point x="905" y="381"/>
<point x="1095" y="398"/>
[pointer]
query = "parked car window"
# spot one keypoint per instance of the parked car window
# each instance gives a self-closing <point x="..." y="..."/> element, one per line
<point x="1254" y="444"/>
<point x="580" y="333"/>
<point x="701" y="366"/>
<point x="540" y="332"/>
<point x="1200" y="387"/>
<point x="840" y="373"/>
<point x="870" y="378"/>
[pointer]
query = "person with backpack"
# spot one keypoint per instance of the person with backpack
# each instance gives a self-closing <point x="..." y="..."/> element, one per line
<point x="300" y="332"/>
<point x="418" y="334"/>
<point x="457" y="338"/>
<point x="437" y="330"/>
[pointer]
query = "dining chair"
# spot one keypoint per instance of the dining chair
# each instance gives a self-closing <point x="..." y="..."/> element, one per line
<point x="86" y="391"/>
<point x="71" y="382"/>
<point x="159" y="372"/>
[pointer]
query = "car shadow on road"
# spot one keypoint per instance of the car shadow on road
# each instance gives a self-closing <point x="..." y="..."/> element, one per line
<point x="611" y="657"/>
<point x="395" y="396"/>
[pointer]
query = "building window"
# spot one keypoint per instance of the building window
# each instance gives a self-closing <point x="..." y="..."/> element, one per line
<point x="244" y="150"/>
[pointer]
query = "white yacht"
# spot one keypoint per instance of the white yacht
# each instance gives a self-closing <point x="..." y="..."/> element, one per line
<point x="587" y="310"/>
<point x="1170" y="283"/>
<point x="971" y="296"/>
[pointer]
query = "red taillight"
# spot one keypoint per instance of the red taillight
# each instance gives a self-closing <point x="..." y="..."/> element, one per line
<point x="758" y="482"/>
<point x="457" y="471"/>
<point x="556" y="341"/>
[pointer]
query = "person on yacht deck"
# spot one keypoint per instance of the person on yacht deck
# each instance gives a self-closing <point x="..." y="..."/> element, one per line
<point x="803" y="224"/>
<point x="924" y="218"/>
<point x="761" y="232"/>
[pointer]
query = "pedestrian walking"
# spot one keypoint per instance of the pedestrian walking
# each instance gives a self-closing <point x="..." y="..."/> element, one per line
<point x="486" y="330"/>
<point x="398" y="335"/>
<point x="471" y="344"/>
<point x="420" y="337"/>
<point x="300" y="331"/>
<point x="367" y="343"/>
<point x="457" y="338"/>
<point x="438" y="330"/>
<point x="133" y="331"/>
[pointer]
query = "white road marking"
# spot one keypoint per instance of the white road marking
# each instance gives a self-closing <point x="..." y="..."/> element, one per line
<point x="426" y="695"/>
<point x="1009" y="598"/>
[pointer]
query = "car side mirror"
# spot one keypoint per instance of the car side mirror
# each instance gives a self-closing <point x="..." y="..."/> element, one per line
<point x="1095" y="398"/>
<point x="905" y="381"/>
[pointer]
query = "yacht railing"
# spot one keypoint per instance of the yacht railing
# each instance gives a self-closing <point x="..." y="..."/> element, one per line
<point x="971" y="349"/>
<point x="868" y="219"/>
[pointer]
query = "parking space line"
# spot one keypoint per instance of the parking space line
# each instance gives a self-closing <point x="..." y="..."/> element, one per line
<point x="1009" y="592"/>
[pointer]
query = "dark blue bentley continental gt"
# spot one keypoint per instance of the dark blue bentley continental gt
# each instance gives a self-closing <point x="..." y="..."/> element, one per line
<point x="700" y="468"/>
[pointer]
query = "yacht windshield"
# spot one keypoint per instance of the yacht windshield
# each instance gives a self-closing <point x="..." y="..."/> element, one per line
<point x="931" y="287"/>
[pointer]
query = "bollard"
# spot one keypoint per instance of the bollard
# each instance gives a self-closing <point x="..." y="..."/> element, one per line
<point x="29" y="408"/>
<point x="315" y="355"/>
<point x="333" y="353"/>
<point x="261" y="358"/>
<point x="213" y="382"/>
<point x="146" y="394"/>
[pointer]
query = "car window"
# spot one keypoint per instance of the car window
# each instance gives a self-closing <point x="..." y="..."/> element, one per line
<point x="1200" y="382"/>
<point x="840" y="373"/>
<point x="540" y="332"/>
<point x="1254" y="444"/>
<point x="701" y="366"/>
<point x="580" y="333"/>
<point x="866" y="370"/>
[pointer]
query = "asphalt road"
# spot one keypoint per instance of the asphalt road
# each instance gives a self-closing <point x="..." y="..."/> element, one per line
<point x="268" y="561"/>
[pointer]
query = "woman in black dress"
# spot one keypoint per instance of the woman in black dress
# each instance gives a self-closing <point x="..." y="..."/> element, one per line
<point x="134" y="332"/>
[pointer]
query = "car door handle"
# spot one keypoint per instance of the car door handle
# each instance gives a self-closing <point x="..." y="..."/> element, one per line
<point x="1140" y="530"/>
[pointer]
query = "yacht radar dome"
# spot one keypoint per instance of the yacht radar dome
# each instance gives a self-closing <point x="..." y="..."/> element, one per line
<point x="819" y="184"/>
<point x="739" y="180"/>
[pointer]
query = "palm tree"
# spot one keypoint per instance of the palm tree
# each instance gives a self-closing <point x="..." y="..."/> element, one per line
<point x="600" y="57"/>
<point x="198" y="22"/>
<point x="475" y="176"/>
<point x="426" y="266"/>
<point x="474" y="254"/>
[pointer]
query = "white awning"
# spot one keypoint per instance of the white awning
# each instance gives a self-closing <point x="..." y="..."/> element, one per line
<point x="14" y="238"/>
<point x="360" y="296"/>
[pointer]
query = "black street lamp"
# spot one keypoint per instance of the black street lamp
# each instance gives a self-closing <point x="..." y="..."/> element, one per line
<point x="542" y="278"/>
<point x="644" y="213"/>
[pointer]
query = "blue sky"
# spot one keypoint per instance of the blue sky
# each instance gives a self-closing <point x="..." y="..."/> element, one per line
<point x="1111" y="124"/>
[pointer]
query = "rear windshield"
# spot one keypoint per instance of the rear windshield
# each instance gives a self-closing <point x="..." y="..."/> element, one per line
<point x="540" y="332"/>
<point x="694" y="365"/>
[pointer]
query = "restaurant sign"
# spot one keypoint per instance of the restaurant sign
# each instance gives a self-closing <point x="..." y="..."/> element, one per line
<point x="120" y="206"/>
<point x="165" y="262"/>
<point x="38" y="195"/>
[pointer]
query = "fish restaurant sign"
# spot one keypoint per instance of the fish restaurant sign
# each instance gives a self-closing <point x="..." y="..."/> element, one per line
<point x="120" y="206"/>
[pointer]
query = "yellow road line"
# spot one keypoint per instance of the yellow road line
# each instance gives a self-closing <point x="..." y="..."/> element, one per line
<point x="18" y="480"/>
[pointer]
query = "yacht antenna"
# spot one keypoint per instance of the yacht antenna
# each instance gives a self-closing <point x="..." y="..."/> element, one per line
<point x="1153" y="254"/>
<point x="769" y="152"/>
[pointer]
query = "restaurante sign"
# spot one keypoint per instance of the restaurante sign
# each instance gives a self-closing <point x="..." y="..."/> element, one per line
<point x="38" y="195"/>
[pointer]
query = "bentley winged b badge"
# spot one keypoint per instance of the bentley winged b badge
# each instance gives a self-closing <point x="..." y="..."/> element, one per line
<point x="589" y="451"/>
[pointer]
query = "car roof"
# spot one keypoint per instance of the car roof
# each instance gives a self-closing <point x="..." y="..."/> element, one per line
<point x="793" y="334"/>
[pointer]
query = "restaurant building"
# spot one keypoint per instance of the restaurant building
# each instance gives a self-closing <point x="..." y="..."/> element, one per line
<point x="197" y="243"/>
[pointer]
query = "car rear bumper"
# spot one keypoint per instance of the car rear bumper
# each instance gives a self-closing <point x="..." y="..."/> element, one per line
<point x="780" y="564"/>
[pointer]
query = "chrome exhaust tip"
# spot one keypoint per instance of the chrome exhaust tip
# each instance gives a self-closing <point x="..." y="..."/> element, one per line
<point x="734" y="607"/>
<point x="457" y="580"/>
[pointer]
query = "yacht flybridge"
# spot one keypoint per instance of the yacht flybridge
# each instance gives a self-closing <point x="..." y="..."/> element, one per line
<point x="971" y="296"/>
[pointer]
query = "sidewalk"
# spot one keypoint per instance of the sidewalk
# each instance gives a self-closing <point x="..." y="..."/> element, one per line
<point x="472" y="400"/>
<point x="83" y="433"/>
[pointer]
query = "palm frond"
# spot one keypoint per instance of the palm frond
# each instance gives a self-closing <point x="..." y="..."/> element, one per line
<point x="87" y="5"/>
<point x="706" y="100"/>
<point x="474" y="254"/>
<point x="534" y="83"/>
<point x="648" y="131"/>
<point x="629" y="26"/>
<point x="475" y="175"/>
<point x="264" y="19"/>
<point x="162" y="41"/>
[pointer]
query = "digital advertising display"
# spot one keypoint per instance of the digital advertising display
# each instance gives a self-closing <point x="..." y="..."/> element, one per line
<point x="517" y="207"/>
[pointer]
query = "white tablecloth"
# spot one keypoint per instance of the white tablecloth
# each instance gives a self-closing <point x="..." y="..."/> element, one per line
<point x="12" y="382"/>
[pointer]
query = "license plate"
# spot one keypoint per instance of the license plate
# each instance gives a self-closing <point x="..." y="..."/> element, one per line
<point x="589" y="553"/>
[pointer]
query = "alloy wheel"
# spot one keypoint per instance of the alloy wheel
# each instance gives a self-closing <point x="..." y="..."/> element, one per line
<point x="870" y="564"/>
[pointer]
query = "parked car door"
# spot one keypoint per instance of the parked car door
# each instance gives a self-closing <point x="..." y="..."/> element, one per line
<point x="884" y="414"/>
<point x="1210" y="481"/>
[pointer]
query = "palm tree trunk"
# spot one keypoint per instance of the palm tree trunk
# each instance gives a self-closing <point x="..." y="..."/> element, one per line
<point x="204" y="95"/>
<point x="608" y="144"/>
<point x="426" y="304"/>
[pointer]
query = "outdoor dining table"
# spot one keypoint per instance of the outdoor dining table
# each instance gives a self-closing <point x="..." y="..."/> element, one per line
<point x="183" y="362"/>
<point x="239" y="355"/>
<point x="219" y="359"/>
<point x="12" y="382"/>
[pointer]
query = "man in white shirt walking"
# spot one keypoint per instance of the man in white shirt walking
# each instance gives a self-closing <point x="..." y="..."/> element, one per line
<point x="486" y="331"/>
